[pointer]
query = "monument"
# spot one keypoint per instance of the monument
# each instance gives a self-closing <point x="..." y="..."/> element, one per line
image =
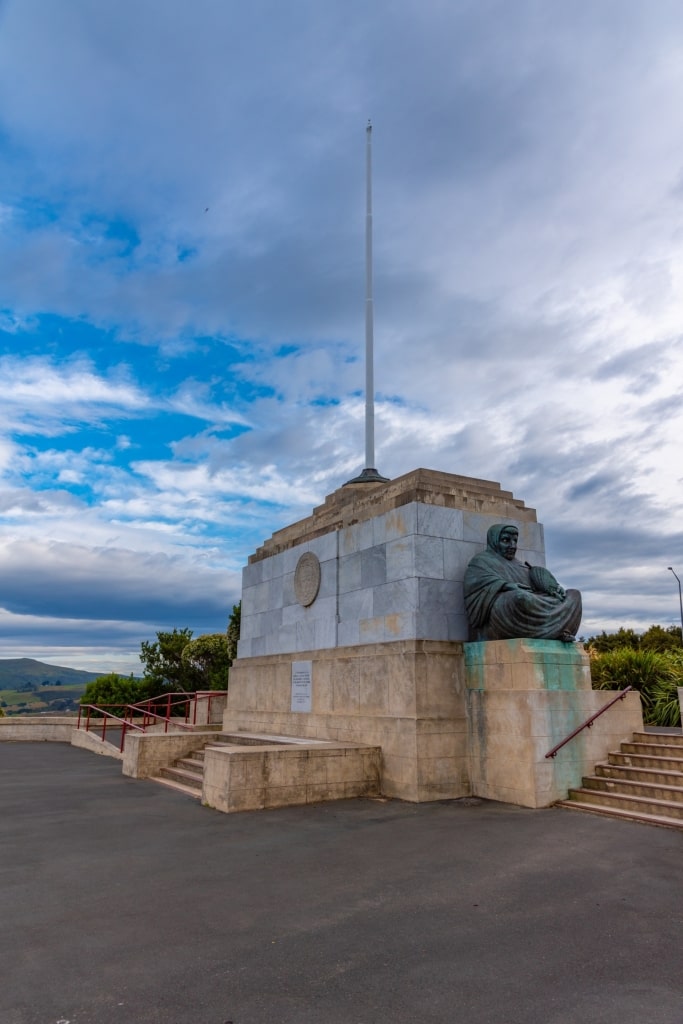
<point x="355" y="629"/>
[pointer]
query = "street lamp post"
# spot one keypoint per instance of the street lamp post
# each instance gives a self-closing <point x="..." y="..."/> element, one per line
<point x="680" y="598"/>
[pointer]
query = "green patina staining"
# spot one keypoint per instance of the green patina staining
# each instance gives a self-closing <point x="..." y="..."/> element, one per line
<point x="553" y="664"/>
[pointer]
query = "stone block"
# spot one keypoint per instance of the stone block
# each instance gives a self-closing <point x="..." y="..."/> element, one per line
<point x="259" y="598"/>
<point x="373" y="566"/>
<point x="400" y="558"/>
<point x="288" y="592"/>
<point x="371" y="631"/>
<point x="438" y="595"/>
<point x="251" y="575"/>
<point x="325" y="547"/>
<point x="356" y="605"/>
<point x="399" y="626"/>
<point x="398" y="596"/>
<point x="429" y="557"/>
<point x="350" y="572"/>
<point x="432" y="625"/>
<point x="325" y="632"/>
<point x="456" y="558"/>
<point x="346" y="688"/>
<point x="276" y="593"/>
<point x="244" y="648"/>
<point x="399" y="522"/>
<point x="290" y="558"/>
<point x="435" y="521"/>
<point x="328" y="581"/>
<point x="348" y="633"/>
<point x="457" y="626"/>
<point x="374" y="690"/>
<point x="358" y="537"/>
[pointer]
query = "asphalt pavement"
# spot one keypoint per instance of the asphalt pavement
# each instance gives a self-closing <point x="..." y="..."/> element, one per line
<point x="126" y="903"/>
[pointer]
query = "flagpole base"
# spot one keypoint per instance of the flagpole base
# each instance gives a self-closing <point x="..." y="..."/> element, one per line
<point x="369" y="476"/>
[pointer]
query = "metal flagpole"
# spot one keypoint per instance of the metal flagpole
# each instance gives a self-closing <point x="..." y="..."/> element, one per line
<point x="369" y="474"/>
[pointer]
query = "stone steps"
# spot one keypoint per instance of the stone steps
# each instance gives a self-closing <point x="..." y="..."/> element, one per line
<point x="186" y="775"/>
<point x="642" y="781"/>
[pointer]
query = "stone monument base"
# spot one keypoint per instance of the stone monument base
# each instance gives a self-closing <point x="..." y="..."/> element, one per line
<point x="408" y="697"/>
<point x="524" y="697"/>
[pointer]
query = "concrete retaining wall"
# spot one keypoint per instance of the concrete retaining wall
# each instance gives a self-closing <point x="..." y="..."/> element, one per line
<point x="37" y="728"/>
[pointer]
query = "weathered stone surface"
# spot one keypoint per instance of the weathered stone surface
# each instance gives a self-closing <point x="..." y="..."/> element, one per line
<point x="524" y="697"/>
<point x="383" y="693"/>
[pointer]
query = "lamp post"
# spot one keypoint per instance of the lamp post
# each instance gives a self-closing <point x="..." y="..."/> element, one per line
<point x="680" y="598"/>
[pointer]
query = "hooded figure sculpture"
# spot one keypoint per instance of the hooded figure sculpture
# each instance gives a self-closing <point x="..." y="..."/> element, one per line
<point x="506" y="599"/>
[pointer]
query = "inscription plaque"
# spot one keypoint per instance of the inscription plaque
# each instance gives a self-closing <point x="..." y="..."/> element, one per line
<point x="307" y="579"/>
<point x="302" y="686"/>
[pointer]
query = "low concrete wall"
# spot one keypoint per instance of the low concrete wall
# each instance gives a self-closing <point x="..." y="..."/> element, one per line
<point x="210" y="707"/>
<point x="239" y="779"/>
<point x="89" y="741"/>
<point x="146" y="753"/>
<point x="37" y="728"/>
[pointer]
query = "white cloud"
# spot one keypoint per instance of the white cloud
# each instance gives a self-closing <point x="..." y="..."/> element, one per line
<point x="528" y="269"/>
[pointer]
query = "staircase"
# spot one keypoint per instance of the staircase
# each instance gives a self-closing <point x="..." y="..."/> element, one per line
<point x="643" y="781"/>
<point x="185" y="775"/>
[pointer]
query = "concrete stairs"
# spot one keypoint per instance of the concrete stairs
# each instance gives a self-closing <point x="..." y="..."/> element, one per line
<point x="186" y="775"/>
<point x="642" y="781"/>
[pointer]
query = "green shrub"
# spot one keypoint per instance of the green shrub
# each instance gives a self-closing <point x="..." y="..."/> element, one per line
<point x="655" y="674"/>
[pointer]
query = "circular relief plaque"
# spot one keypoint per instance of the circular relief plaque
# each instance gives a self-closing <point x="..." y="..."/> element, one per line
<point x="307" y="579"/>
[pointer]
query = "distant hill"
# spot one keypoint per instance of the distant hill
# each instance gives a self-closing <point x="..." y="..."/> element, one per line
<point x="16" y="673"/>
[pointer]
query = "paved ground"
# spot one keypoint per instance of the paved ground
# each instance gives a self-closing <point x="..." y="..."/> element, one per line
<point x="125" y="903"/>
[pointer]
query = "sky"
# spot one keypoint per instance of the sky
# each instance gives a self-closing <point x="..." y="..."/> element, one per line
<point x="182" y="217"/>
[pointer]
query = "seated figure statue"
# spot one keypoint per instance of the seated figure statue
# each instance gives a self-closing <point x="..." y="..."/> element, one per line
<point x="506" y="599"/>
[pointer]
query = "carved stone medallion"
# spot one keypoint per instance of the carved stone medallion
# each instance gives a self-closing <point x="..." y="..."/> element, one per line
<point x="307" y="579"/>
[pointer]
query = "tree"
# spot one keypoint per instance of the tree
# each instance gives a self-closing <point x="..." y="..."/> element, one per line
<point x="233" y="633"/>
<point x="610" y="641"/>
<point x="165" y="669"/>
<point x="114" y="689"/>
<point x="656" y="638"/>
<point x="208" y="655"/>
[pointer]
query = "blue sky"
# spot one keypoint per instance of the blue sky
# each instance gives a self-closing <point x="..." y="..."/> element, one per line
<point x="182" y="286"/>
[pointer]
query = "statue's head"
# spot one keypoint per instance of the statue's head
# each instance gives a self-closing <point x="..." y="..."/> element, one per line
<point x="503" y="540"/>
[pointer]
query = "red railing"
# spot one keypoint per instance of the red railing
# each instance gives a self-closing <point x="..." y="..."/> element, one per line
<point x="174" y="708"/>
<point x="589" y="721"/>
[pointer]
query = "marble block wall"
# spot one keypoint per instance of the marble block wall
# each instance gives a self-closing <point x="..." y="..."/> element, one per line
<point x="396" y="576"/>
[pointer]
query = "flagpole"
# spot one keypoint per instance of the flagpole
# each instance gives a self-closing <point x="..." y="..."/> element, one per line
<point x="369" y="325"/>
<point x="369" y="474"/>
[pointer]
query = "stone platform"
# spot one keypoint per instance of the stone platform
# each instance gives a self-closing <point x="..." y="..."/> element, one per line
<point x="524" y="697"/>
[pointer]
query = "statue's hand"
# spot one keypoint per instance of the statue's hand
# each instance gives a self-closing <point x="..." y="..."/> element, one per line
<point x="559" y="592"/>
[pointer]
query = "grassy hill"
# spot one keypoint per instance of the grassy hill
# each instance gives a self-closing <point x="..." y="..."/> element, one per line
<point x="29" y="687"/>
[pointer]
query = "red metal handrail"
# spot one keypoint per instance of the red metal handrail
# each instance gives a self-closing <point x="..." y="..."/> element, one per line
<point x="589" y="722"/>
<point x="106" y="716"/>
<point x="144" y="708"/>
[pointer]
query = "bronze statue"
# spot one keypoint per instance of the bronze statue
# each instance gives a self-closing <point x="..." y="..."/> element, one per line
<point x="506" y="599"/>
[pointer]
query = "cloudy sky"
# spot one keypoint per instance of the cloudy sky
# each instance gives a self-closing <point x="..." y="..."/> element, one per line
<point x="182" y="290"/>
